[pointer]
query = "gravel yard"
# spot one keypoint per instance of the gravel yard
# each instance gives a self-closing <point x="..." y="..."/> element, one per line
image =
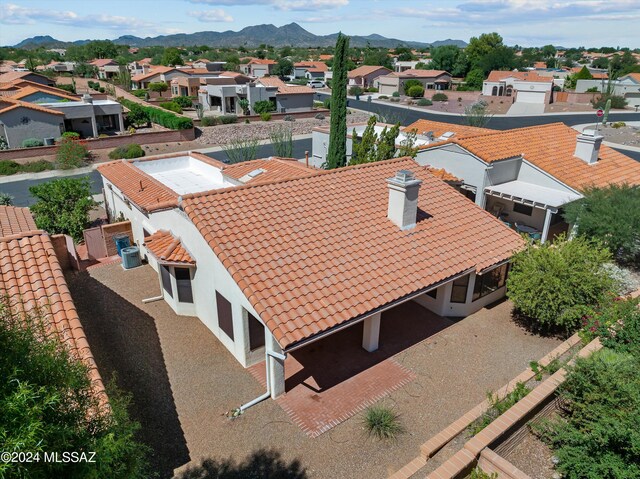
<point x="626" y="135"/>
<point x="183" y="382"/>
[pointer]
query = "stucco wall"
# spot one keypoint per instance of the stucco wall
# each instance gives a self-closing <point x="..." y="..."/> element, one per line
<point x="293" y="103"/>
<point x="41" y="125"/>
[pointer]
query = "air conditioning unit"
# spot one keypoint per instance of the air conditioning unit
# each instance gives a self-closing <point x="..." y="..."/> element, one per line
<point x="131" y="257"/>
<point x="49" y="141"/>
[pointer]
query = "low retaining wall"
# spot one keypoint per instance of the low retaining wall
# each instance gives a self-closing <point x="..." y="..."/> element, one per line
<point x="66" y="252"/>
<point x="490" y="462"/>
<point x="280" y="116"/>
<point x="167" y="136"/>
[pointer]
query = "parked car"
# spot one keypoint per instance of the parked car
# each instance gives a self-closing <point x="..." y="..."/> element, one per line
<point x="316" y="84"/>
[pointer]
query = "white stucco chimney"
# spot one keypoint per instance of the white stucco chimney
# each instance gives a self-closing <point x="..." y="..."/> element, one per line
<point x="86" y="98"/>
<point x="588" y="146"/>
<point x="403" y="199"/>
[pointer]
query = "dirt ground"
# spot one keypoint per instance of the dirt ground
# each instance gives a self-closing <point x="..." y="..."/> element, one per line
<point x="183" y="382"/>
<point x="626" y="135"/>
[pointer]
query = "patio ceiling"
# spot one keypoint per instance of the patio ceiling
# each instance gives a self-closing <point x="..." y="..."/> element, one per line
<point x="532" y="195"/>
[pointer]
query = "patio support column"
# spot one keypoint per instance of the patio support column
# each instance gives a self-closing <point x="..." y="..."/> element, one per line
<point x="94" y="125"/>
<point x="121" y="122"/>
<point x="371" y="333"/>
<point x="275" y="368"/>
<point x="547" y="224"/>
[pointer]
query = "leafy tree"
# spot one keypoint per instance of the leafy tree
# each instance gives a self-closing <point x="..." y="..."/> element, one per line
<point x="416" y="91"/>
<point x="159" y="87"/>
<point x="408" y="145"/>
<point x="499" y="58"/>
<point x="410" y="83"/>
<point x="171" y="57"/>
<point x="283" y="68"/>
<point x="48" y="404"/>
<point x="612" y="216"/>
<point x="101" y="49"/>
<point x="480" y="47"/>
<point x="376" y="56"/>
<point x="474" y="79"/>
<point x="263" y="106"/>
<point x="477" y="115"/>
<point x="449" y="58"/>
<point x="124" y="78"/>
<point x="602" y="62"/>
<point x="337" y="152"/>
<point x="85" y="70"/>
<point x="63" y="206"/>
<point x="137" y="115"/>
<point x="583" y="74"/>
<point x="364" y="147"/>
<point x="71" y="153"/>
<point x="552" y="284"/>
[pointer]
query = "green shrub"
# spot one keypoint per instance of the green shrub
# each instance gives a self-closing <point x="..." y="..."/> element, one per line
<point x="394" y="99"/>
<point x="327" y="103"/>
<point x="209" y="121"/>
<point x="382" y="423"/>
<point x="8" y="167"/>
<point x="71" y="134"/>
<point x="396" y="94"/>
<point x="263" y="106"/>
<point x="171" y="106"/>
<point x="416" y="91"/>
<point x="265" y="116"/>
<point x="317" y="104"/>
<point x="439" y="97"/>
<point x="478" y="473"/>
<point x="355" y="90"/>
<point x="383" y="97"/>
<point x="66" y="87"/>
<point x="71" y="154"/>
<point x="161" y="117"/>
<point x="424" y="102"/>
<point x="593" y="89"/>
<point x="618" y="124"/>
<point x="498" y="407"/>
<point x="32" y="142"/>
<point x="6" y="199"/>
<point x="36" y="166"/>
<point x="553" y="284"/>
<point x="139" y="93"/>
<point x="411" y="83"/>
<point x="183" y="101"/>
<point x="137" y="115"/>
<point x="102" y="89"/>
<point x="617" y="324"/>
<point x="289" y="118"/>
<point x="618" y="102"/>
<point x="371" y="89"/>
<point x="319" y="116"/>
<point x="228" y="119"/>
<point x="132" y="150"/>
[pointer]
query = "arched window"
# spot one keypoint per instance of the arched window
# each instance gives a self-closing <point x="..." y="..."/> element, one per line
<point x="501" y="91"/>
<point x="509" y="91"/>
<point x="494" y="91"/>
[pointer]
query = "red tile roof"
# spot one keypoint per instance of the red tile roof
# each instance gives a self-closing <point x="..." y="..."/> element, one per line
<point x="283" y="88"/>
<point x="551" y="148"/>
<point x="156" y="70"/>
<point x="8" y="103"/>
<point x="14" y="220"/>
<point x="413" y="73"/>
<point x="531" y="76"/>
<point x="312" y="66"/>
<point x="273" y="169"/>
<point x="11" y="76"/>
<point x="443" y="175"/>
<point x="365" y="70"/>
<point x="167" y="248"/>
<point x="259" y="61"/>
<point x="439" y="128"/>
<point x="30" y="90"/>
<point x="101" y="62"/>
<point x="314" y="252"/>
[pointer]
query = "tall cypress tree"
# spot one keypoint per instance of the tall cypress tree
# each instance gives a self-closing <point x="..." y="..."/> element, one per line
<point x="337" y="153"/>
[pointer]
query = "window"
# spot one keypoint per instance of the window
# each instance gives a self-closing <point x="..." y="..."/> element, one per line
<point x="225" y="317"/>
<point x="166" y="279"/>
<point x="459" y="290"/>
<point x="183" y="284"/>
<point x="433" y="293"/>
<point x="522" y="209"/>
<point x="256" y="332"/>
<point x="145" y="233"/>
<point x="490" y="281"/>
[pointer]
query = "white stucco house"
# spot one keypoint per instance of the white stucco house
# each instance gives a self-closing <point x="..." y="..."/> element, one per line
<point x="627" y="86"/>
<point x="272" y="256"/>
<point x="526" y="87"/>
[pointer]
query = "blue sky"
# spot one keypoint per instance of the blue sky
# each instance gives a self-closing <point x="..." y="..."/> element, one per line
<point x="524" y="22"/>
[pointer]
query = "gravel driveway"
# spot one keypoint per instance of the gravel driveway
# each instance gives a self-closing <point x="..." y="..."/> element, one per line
<point x="184" y="381"/>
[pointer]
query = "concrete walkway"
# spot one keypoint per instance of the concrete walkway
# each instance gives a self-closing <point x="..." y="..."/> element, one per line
<point x="526" y="109"/>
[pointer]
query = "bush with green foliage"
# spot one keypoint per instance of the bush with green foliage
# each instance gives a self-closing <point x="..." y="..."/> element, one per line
<point x="66" y="87"/>
<point x="477" y="473"/>
<point x="63" y="206"/>
<point x="139" y="93"/>
<point x="396" y="94"/>
<point x="474" y="79"/>
<point x="265" y="116"/>
<point x="383" y="97"/>
<point x="10" y="167"/>
<point x="610" y="215"/>
<point x="439" y="97"/>
<point x="617" y="101"/>
<point x="183" y="101"/>
<point x="241" y="149"/>
<point x="326" y="103"/>
<point x="553" y="284"/>
<point x="382" y="422"/>
<point x="617" y="324"/>
<point x="355" y="90"/>
<point x="394" y="99"/>
<point x="228" y="119"/>
<point x="282" y="141"/>
<point x="32" y="142"/>
<point x="48" y="404"/>
<point x="159" y="87"/>
<point x="137" y="115"/>
<point x="102" y="89"/>
<point x="209" y="121"/>
<point x="171" y="106"/>
<point x="416" y="91"/>
<point x="71" y="134"/>
<point x="159" y="116"/>
<point x="6" y="199"/>
<point x="599" y="433"/>
<point x="498" y="407"/>
<point x="424" y="102"/>
<point x="71" y="154"/>
<point x="263" y="106"/>
<point x="618" y="124"/>
<point x="410" y="83"/>
<point x="132" y="150"/>
<point x="319" y="116"/>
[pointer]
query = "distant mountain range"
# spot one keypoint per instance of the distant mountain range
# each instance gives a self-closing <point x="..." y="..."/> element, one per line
<point x="291" y="34"/>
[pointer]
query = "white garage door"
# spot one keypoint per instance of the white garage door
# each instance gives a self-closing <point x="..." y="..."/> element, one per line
<point x="531" y="97"/>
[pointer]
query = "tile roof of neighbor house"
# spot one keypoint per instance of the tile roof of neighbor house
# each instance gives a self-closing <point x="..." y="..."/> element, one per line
<point x="413" y="73"/>
<point x="32" y="279"/>
<point x="14" y="220"/>
<point x="262" y="61"/>
<point x="272" y="169"/>
<point x="443" y="175"/>
<point x="8" y="103"/>
<point x="634" y="76"/>
<point x="313" y="66"/>
<point x="325" y="57"/>
<point x="317" y="251"/>
<point x="167" y="248"/>
<point x="365" y="70"/>
<point x="551" y="148"/>
<point x="283" y="88"/>
<point x="156" y="70"/>
<point x="439" y="128"/>
<point x="30" y="90"/>
<point x="531" y="76"/>
<point x="101" y="62"/>
<point x="11" y="76"/>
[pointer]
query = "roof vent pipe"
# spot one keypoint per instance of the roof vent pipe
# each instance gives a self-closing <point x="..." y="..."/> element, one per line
<point x="588" y="146"/>
<point x="403" y="199"/>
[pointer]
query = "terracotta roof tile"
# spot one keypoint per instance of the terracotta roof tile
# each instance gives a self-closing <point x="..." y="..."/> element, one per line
<point x="332" y="235"/>
<point x="367" y="70"/>
<point x="443" y="175"/>
<point x="283" y="88"/>
<point x="8" y="103"/>
<point x="167" y="248"/>
<point x="272" y="169"/>
<point x="497" y="75"/>
<point x="439" y="128"/>
<point x="156" y="70"/>
<point x="14" y="220"/>
<point x="101" y="62"/>
<point x="30" y="90"/>
<point x="413" y="73"/>
<point x="551" y="148"/>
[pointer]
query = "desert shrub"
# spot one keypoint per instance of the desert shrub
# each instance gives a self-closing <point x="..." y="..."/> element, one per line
<point x="416" y="91"/>
<point x="371" y="89"/>
<point x="593" y="89"/>
<point x="71" y="154"/>
<point x="439" y="97"/>
<point x="394" y="99"/>
<point x="71" y="134"/>
<point x="102" y="89"/>
<point x="327" y="103"/>
<point x="263" y="106"/>
<point x="317" y="104"/>
<point x="319" y="116"/>
<point x="383" y="97"/>
<point x="209" y="121"/>
<point x="289" y="118"/>
<point x="183" y="101"/>
<point x="66" y="87"/>
<point x="617" y="324"/>
<point x="139" y="93"/>
<point x="395" y="94"/>
<point x="477" y="473"/>
<point x="618" y="102"/>
<point x="32" y="142"/>
<point x="265" y="116"/>
<point x="246" y="121"/>
<point x="498" y="407"/>
<point x="552" y="285"/>
<point x="618" y="124"/>
<point x="6" y="199"/>
<point x="355" y="90"/>
<point x="282" y="141"/>
<point x="424" y="102"/>
<point x="161" y="117"/>
<point x="171" y="106"/>
<point x="241" y="149"/>
<point x="36" y="166"/>
<point x="411" y="83"/>
<point x="8" y="167"/>
<point x="228" y="119"/>
<point x="133" y="150"/>
<point x="382" y="422"/>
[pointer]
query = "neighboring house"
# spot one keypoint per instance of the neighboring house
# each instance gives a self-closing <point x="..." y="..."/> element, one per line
<point x="90" y="117"/>
<point x="162" y="74"/>
<point x="401" y="66"/>
<point x="107" y="68"/>
<point x="33" y="281"/>
<point x="259" y="68"/>
<point x="59" y="67"/>
<point x="526" y="175"/>
<point x="275" y="266"/>
<point x="430" y="79"/>
<point x="222" y="94"/>
<point x="34" y="92"/>
<point x="310" y="70"/>
<point x="26" y="75"/>
<point x="204" y="64"/>
<point x="21" y="120"/>
<point x="526" y="87"/>
<point x="365" y="75"/>
<point x="627" y="86"/>
<point x="190" y="86"/>
<point x="137" y="67"/>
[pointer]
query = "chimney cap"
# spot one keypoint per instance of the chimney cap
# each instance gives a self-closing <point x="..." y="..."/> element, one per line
<point x="404" y="178"/>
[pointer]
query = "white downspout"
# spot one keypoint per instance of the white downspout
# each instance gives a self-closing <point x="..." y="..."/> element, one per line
<point x="267" y="394"/>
